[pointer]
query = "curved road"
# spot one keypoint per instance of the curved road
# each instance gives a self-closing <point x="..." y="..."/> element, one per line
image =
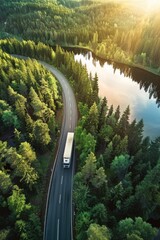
<point x="58" y="221"/>
<point x="58" y="216"/>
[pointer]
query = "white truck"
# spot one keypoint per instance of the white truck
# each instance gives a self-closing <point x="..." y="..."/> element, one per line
<point x="68" y="150"/>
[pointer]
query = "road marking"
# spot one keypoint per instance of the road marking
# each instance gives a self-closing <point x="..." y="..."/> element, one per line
<point x="70" y="105"/>
<point x="61" y="180"/>
<point x="58" y="229"/>
<point x="70" y="126"/>
<point x="59" y="198"/>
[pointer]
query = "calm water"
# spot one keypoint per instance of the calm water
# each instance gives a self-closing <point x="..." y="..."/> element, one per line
<point x="128" y="86"/>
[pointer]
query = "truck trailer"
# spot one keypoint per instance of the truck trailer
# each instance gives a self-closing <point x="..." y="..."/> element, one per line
<point x="68" y="150"/>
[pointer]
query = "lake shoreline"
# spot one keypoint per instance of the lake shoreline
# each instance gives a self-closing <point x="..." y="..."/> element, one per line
<point x="112" y="61"/>
<point x="123" y="85"/>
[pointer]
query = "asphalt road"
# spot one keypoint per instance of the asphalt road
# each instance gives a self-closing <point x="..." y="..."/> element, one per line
<point x="58" y="218"/>
<point x="58" y="221"/>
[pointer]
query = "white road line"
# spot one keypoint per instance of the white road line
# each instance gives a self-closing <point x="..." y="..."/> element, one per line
<point x="58" y="229"/>
<point x="60" y="198"/>
<point x="61" y="180"/>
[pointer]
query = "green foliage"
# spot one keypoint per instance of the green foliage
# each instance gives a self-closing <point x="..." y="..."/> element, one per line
<point x="5" y="182"/>
<point x="89" y="169"/>
<point x="96" y="232"/>
<point x="77" y="75"/>
<point x="131" y="165"/>
<point x="148" y="192"/>
<point x="82" y="223"/>
<point x="91" y="122"/>
<point x="85" y="143"/>
<point x="100" y="178"/>
<point x="22" y="168"/>
<point x="104" y="30"/>
<point x="99" y="213"/>
<point x="120" y="166"/>
<point x="20" y="226"/>
<point x="29" y="100"/>
<point x="135" y="136"/>
<point x="34" y="227"/>
<point x="3" y="150"/>
<point x="37" y="105"/>
<point x="128" y="227"/>
<point x="30" y="229"/>
<point x="124" y="123"/>
<point x="80" y="193"/>
<point x="4" y="234"/>
<point x="26" y="151"/>
<point x="17" y="202"/>
<point x="41" y="133"/>
<point x="9" y="119"/>
<point x="133" y="236"/>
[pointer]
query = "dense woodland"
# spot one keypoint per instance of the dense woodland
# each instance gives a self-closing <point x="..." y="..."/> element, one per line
<point x="29" y="101"/>
<point x="117" y="185"/>
<point x="112" y="30"/>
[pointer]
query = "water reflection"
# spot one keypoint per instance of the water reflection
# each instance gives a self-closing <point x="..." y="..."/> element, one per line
<point x="123" y="85"/>
<point x="148" y="81"/>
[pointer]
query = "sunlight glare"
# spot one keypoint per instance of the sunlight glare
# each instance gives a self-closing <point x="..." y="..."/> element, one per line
<point x="152" y="5"/>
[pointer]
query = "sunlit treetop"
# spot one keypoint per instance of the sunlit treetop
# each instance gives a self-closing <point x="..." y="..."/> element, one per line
<point x="149" y="6"/>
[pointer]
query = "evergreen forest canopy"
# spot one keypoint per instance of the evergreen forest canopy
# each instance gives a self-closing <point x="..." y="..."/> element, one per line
<point x="29" y="101"/>
<point x="113" y="31"/>
<point x="117" y="186"/>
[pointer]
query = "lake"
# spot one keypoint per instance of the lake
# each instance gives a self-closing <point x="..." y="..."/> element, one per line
<point x="123" y="85"/>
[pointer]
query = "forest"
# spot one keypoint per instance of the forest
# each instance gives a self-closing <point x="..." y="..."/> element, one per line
<point x="113" y="31"/>
<point x="116" y="186"/>
<point x="30" y="99"/>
